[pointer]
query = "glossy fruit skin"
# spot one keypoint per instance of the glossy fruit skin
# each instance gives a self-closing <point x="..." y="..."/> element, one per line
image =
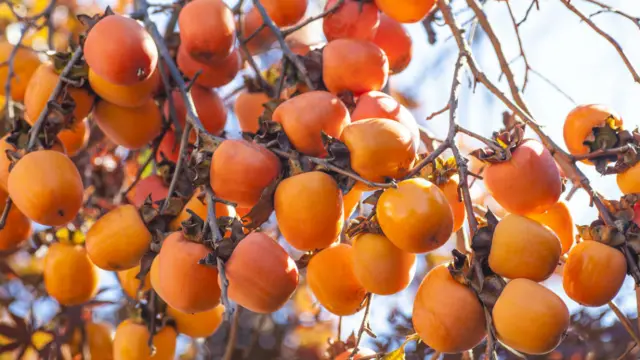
<point x="69" y="275"/>
<point x="396" y="43"/>
<point x="309" y="210"/>
<point x="46" y="186"/>
<point x="17" y="227"/>
<point x="261" y="42"/>
<point x="181" y="278"/>
<point x="153" y="186"/>
<point x="441" y="304"/>
<point x="513" y="187"/>
<point x="130" y="284"/>
<point x="379" y="148"/>
<point x="285" y="12"/>
<point x="118" y="240"/>
<point x="416" y="216"/>
<point x="450" y="190"/>
<point x="406" y="11"/>
<point x="211" y="110"/>
<point x="380" y="266"/>
<point x="362" y="352"/>
<point x="199" y="207"/>
<point x="332" y="279"/>
<point x="132" y="128"/>
<point x="214" y="73"/>
<point x="593" y="273"/>
<point x="532" y="327"/>
<point x="169" y="148"/>
<point x="25" y="64"/>
<point x="42" y="84"/>
<point x="524" y="248"/>
<point x="350" y="201"/>
<point x="120" y="50"/>
<point x="376" y="104"/>
<point x="351" y="20"/>
<point x="75" y="138"/>
<point x="207" y="30"/>
<point x="559" y="220"/>
<point x="241" y="170"/>
<point x="98" y="337"/>
<point x="125" y="95"/>
<point x="304" y="128"/>
<point x="198" y="325"/>
<point x="248" y="108"/>
<point x="629" y="180"/>
<point x="262" y="277"/>
<point x="354" y="65"/>
<point x="130" y="342"/>
<point x="579" y="124"/>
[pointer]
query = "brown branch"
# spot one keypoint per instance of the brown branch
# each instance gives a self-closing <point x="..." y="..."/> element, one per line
<point x="233" y="334"/>
<point x="430" y="158"/>
<point x="308" y="21"/>
<point x="5" y="212"/>
<point x="609" y="9"/>
<point x="603" y="153"/>
<point x="520" y="46"/>
<point x="363" y="325"/>
<point x="217" y="237"/>
<point x="526" y="15"/>
<point x="609" y="38"/>
<point x="436" y="113"/>
<point x="247" y="54"/>
<point x="182" y="153"/>
<point x="490" y="143"/>
<point x="624" y="321"/>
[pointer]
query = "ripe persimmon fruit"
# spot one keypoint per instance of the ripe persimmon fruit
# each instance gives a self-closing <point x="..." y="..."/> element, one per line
<point x="46" y="186"/>
<point x="120" y="50"/>
<point x="353" y="19"/>
<point x="350" y="201"/>
<point x="74" y="138"/>
<point x="131" y="284"/>
<point x="169" y="147"/>
<point x="559" y="220"/>
<point x="69" y="275"/>
<point x="98" y="341"/>
<point x="512" y="185"/>
<point x="629" y="180"/>
<point x="406" y="11"/>
<point x="198" y="325"/>
<point x="125" y="95"/>
<point x="207" y="30"/>
<point x="532" y="327"/>
<point x="524" y="248"/>
<point x="262" y="41"/>
<point x="152" y="186"/>
<point x="130" y="127"/>
<point x="25" y="63"/>
<point x="214" y="73"/>
<point x="199" y="207"/>
<point x="17" y="227"/>
<point x="354" y="65"/>
<point x="132" y="338"/>
<point x="304" y="128"/>
<point x="181" y="278"/>
<point x="261" y="275"/>
<point x="309" y="210"/>
<point x="415" y="216"/>
<point x="580" y="122"/>
<point x="332" y="279"/>
<point x="396" y="43"/>
<point x="450" y="190"/>
<point x="248" y="108"/>
<point x="593" y="273"/>
<point x="118" y="239"/>
<point x="241" y="170"/>
<point x="447" y="315"/>
<point x="210" y="107"/>
<point x="285" y="12"/>
<point x="381" y="267"/>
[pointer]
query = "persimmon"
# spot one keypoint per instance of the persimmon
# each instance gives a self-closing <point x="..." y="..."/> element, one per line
<point x="415" y="216"/>
<point x="628" y="180"/>
<point x="69" y="275"/>
<point x="199" y="207"/>
<point x="450" y="190"/>
<point x="512" y="185"/>
<point x="25" y="63"/>
<point x="98" y="341"/>
<point x="285" y="12"/>
<point x="593" y="273"/>
<point x="304" y="128"/>
<point x="125" y="95"/>
<point x="118" y="240"/>
<point x="46" y="186"/>
<point x="132" y="128"/>
<point x="169" y="148"/>
<point x="152" y="186"/>
<point x="379" y="148"/>
<point x="198" y="325"/>
<point x="207" y="30"/>
<point x="131" y="284"/>
<point x="248" y="108"/>
<point x="446" y="314"/>
<point x="309" y="210"/>
<point x="376" y="104"/>
<point x="212" y="74"/>
<point x="332" y="279"/>
<point x="354" y="65"/>
<point x="532" y="327"/>
<point x="262" y="276"/>
<point x="74" y="138"/>
<point x="131" y="342"/>
<point x="579" y="125"/>
<point x="524" y="248"/>
<point x="350" y="201"/>
<point x="5" y="162"/>
<point x="17" y="227"/>
<point x="406" y="11"/>
<point x="559" y="220"/>
<point x="262" y="41"/>
<point x="362" y="352"/>
<point x="180" y="277"/>
<point x="120" y="50"/>
<point x="241" y="170"/>
<point x="154" y="276"/>
<point x="353" y="19"/>
<point x="42" y="84"/>
<point x="396" y="43"/>
<point x="380" y="266"/>
<point x="210" y="107"/>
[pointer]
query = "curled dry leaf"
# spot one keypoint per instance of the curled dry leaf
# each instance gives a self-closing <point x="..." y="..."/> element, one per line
<point x="507" y="140"/>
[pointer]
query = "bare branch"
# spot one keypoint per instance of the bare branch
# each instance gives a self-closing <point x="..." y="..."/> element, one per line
<point x="609" y="9"/>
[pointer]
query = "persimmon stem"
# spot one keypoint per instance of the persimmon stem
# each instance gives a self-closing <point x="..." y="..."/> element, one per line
<point x="5" y="212"/>
<point x="184" y="143"/>
<point x="602" y="153"/>
<point x="363" y="325"/>
<point x="490" y="143"/>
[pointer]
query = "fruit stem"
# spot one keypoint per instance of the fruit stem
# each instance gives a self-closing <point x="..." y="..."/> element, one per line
<point x="363" y="326"/>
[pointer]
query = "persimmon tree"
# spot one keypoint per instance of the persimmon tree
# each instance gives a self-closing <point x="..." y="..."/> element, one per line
<point x="115" y="147"/>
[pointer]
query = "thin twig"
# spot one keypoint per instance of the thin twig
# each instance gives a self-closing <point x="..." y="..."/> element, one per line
<point x="217" y="237"/>
<point x="308" y="21"/>
<point x="233" y="334"/>
<point x="363" y="325"/>
<point x="490" y="143"/>
<point x="436" y="113"/>
<point x="609" y="9"/>
<point x="516" y="29"/>
<point x="553" y="85"/>
<point x="624" y="321"/>
<point x="602" y="153"/>
<point x="182" y="154"/>
<point x="430" y="158"/>
<point x="526" y="15"/>
<point x="5" y="212"/>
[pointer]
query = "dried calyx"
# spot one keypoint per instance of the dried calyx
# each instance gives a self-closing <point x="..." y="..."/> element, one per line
<point x="503" y="143"/>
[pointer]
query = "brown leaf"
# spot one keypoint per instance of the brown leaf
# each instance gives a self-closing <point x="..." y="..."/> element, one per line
<point x="263" y="209"/>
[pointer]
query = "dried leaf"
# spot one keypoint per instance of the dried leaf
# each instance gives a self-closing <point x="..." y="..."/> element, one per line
<point x="263" y="209"/>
